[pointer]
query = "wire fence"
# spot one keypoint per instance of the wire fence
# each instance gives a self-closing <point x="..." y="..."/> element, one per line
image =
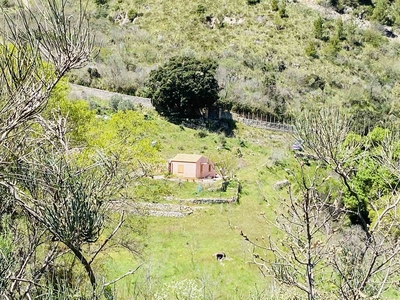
<point x="264" y="121"/>
<point x="274" y="123"/>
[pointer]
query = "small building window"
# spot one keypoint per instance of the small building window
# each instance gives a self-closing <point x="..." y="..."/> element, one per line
<point x="209" y="168"/>
<point x="180" y="168"/>
<point x="201" y="168"/>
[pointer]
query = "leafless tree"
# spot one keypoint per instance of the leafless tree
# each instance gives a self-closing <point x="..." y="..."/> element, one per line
<point x="225" y="165"/>
<point x="40" y="42"/>
<point x="356" y="260"/>
<point x="306" y="221"/>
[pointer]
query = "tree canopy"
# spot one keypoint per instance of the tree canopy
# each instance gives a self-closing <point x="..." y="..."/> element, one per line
<point x="183" y="86"/>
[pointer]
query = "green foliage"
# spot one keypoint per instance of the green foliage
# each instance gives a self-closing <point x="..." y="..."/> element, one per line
<point x="202" y="133"/>
<point x="315" y="82"/>
<point x="319" y="28"/>
<point x="130" y="135"/>
<point x="77" y="213"/>
<point x="185" y="289"/>
<point x="102" y="10"/>
<point x="274" y="5"/>
<point x="118" y="103"/>
<point x="154" y="191"/>
<point x="183" y="86"/>
<point x="377" y="136"/>
<point x="311" y="50"/>
<point x="334" y="46"/>
<point x="270" y="83"/>
<point x="79" y="116"/>
<point x="396" y="11"/>
<point x="132" y="14"/>
<point x="282" y="9"/>
<point x="108" y="293"/>
<point x="374" y="38"/>
<point x="101" y="2"/>
<point x="383" y="13"/>
<point x="243" y="47"/>
<point x="372" y="182"/>
<point x="126" y="104"/>
<point x="93" y="73"/>
<point x="114" y="102"/>
<point x="201" y="9"/>
<point x="340" y="31"/>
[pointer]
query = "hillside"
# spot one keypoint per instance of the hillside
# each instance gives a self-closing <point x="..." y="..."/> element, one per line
<point x="93" y="207"/>
<point x="274" y="57"/>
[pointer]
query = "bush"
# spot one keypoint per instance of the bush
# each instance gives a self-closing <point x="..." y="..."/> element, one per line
<point x="201" y="9"/>
<point x="274" y="5"/>
<point x="311" y="51"/>
<point x="114" y="102"/>
<point x="319" y="28"/>
<point x="126" y="104"/>
<point x="93" y="73"/>
<point x="132" y="14"/>
<point x="101" y="2"/>
<point x="282" y="9"/>
<point x="201" y="134"/>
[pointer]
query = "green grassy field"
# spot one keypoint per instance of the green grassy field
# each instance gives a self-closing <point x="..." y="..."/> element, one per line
<point x="177" y="253"/>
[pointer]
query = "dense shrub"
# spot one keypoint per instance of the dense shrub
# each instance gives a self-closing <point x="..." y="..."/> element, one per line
<point x="311" y="51"/>
<point x="114" y="102"/>
<point x="132" y="14"/>
<point x="183" y="86"/>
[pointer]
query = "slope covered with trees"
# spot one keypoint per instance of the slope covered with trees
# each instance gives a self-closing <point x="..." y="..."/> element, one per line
<point x="274" y="57"/>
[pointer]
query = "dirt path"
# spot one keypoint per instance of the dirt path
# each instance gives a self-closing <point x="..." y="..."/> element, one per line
<point x="83" y="92"/>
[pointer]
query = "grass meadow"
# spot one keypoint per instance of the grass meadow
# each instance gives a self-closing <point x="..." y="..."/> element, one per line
<point x="176" y="254"/>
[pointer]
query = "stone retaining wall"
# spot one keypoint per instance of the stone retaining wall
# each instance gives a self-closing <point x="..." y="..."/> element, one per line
<point x="211" y="200"/>
<point x="154" y="209"/>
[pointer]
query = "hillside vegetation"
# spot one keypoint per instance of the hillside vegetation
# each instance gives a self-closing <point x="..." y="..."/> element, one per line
<point x="88" y="207"/>
<point x="274" y="57"/>
<point x="177" y="253"/>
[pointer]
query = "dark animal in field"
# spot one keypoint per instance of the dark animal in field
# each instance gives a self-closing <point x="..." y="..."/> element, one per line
<point x="219" y="255"/>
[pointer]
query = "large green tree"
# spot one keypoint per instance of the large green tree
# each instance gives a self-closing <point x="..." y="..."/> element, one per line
<point x="183" y="86"/>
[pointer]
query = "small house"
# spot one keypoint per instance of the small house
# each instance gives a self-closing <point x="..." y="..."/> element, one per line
<point x="191" y="166"/>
